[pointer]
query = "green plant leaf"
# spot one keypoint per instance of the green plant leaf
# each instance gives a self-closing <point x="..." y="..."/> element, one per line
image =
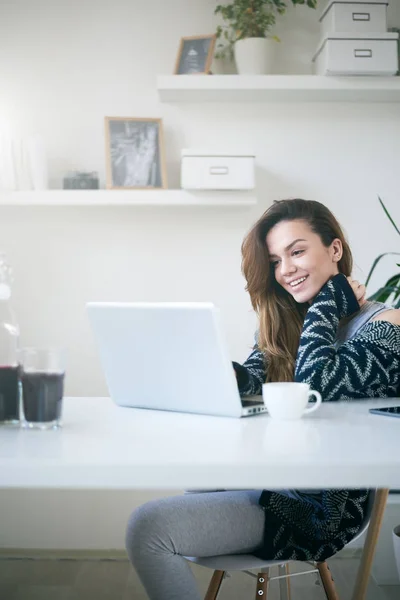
<point x="388" y="215"/>
<point x="253" y="18"/>
<point x="391" y="288"/>
<point x="394" y="280"/>
<point x="383" y="294"/>
<point x="376" y="261"/>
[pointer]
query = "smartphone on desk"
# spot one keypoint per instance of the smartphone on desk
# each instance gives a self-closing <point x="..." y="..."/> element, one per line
<point x="390" y="411"/>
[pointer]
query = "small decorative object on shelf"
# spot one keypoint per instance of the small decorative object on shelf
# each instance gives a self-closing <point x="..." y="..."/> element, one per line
<point x="76" y="180"/>
<point x="135" y="157"/>
<point x="195" y="55"/>
<point x="211" y="170"/>
<point x="23" y="162"/>
<point x="247" y="35"/>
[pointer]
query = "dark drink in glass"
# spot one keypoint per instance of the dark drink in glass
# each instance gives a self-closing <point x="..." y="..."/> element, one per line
<point x="42" y="381"/>
<point x="9" y="395"/>
<point x="42" y="397"/>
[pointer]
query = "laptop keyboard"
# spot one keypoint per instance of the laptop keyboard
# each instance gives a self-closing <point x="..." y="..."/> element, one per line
<point x="246" y="402"/>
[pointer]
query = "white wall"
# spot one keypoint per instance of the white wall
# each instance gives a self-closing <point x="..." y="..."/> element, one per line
<point x="66" y="65"/>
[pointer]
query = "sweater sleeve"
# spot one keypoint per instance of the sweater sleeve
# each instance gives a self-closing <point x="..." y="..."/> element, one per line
<point x="364" y="366"/>
<point x="252" y="373"/>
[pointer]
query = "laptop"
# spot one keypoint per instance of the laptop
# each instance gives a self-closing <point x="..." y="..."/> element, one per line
<point x="168" y="356"/>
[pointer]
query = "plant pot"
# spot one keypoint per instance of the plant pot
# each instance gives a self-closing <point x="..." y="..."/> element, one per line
<point x="396" y="544"/>
<point x="223" y="66"/>
<point x="255" y="56"/>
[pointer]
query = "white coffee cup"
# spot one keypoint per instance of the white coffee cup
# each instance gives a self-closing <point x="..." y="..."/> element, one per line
<point x="288" y="400"/>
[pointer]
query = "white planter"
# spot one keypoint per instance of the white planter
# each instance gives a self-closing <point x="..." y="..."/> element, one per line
<point x="396" y="544"/>
<point x="255" y="56"/>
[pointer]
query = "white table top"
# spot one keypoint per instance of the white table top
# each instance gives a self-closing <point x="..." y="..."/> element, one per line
<point x="105" y="446"/>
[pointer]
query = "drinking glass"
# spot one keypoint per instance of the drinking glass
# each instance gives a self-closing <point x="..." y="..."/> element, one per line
<point x="42" y="373"/>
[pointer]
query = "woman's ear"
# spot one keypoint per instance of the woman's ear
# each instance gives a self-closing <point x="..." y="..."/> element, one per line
<point x="337" y="250"/>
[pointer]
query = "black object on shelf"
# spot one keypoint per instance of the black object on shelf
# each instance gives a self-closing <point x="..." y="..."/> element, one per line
<point x="77" y="180"/>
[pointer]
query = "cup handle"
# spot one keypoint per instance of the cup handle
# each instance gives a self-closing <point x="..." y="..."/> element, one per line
<point x="317" y="404"/>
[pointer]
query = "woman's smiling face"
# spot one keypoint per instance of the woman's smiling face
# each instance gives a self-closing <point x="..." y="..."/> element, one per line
<point x="300" y="261"/>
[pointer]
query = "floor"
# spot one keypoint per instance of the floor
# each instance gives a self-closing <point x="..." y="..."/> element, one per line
<point x="22" y="579"/>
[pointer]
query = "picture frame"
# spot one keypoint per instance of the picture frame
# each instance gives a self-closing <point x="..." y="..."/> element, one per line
<point x="195" y="55"/>
<point x="135" y="154"/>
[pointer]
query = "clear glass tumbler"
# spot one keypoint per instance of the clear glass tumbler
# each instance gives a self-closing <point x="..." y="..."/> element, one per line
<point x="42" y="373"/>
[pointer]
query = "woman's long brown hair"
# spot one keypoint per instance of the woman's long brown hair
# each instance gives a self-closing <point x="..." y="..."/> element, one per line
<point x="281" y="318"/>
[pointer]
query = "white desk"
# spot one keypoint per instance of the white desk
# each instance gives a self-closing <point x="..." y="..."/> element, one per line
<point x="105" y="446"/>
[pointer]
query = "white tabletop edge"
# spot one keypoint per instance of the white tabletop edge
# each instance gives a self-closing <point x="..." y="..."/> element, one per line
<point x="340" y="446"/>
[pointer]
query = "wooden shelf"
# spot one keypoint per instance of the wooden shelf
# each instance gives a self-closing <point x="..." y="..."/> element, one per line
<point x="115" y="198"/>
<point x="277" y="88"/>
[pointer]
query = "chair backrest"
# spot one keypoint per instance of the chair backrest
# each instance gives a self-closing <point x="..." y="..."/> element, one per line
<point x="367" y="516"/>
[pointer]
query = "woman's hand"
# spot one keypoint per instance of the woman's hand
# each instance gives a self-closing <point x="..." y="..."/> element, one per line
<point x="359" y="290"/>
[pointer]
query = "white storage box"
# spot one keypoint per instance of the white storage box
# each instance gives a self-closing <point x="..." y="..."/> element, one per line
<point x="357" y="54"/>
<point x="368" y="16"/>
<point x="205" y="170"/>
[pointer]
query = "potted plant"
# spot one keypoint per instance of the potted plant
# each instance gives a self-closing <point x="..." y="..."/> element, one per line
<point x="390" y="292"/>
<point x="246" y="37"/>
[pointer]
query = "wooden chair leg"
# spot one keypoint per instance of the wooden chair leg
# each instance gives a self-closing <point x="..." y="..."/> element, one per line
<point x="215" y="585"/>
<point x="262" y="585"/>
<point x="375" y="524"/>
<point x="327" y="581"/>
<point x="284" y="584"/>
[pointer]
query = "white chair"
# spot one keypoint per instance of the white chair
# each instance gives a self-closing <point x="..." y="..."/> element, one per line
<point x="247" y="562"/>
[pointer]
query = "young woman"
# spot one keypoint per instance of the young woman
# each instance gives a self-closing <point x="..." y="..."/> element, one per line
<point x="315" y="326"/>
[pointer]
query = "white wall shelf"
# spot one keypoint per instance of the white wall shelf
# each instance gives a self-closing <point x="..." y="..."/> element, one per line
<point x="115" y="198"/>
<point x="277" y="88"/>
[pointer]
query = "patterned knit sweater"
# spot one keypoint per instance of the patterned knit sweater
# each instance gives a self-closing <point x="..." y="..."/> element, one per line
<point x="366" y="366"/>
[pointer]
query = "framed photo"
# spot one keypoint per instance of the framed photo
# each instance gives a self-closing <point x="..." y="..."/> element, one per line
<point x="195" y="55"/>
<point x="135" y="156"/>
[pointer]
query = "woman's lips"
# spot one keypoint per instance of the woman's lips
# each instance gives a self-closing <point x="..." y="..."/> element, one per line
<point x="299" y="286"/>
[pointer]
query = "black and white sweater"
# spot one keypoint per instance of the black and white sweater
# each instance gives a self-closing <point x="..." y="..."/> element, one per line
<point x="365" y="366"/>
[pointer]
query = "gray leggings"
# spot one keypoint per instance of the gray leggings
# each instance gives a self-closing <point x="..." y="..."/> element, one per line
<point x="161" y="532"/>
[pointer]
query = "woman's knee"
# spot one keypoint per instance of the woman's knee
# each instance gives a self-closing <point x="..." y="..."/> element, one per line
<point x="146" y="529"/>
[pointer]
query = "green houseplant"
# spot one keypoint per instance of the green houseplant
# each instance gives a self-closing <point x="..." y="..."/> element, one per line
<point x="390" y="291"/>
<point x="246" y="35"/>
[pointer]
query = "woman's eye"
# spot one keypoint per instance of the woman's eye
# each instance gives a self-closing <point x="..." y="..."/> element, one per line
<point x="297" y="252"/>
<point x="274" y="264"/>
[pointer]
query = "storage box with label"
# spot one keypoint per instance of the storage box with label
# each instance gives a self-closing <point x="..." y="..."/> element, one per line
<point x="208" y="170"/>
<point x="368" y="16"/>
<point x="357" y="54"/>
